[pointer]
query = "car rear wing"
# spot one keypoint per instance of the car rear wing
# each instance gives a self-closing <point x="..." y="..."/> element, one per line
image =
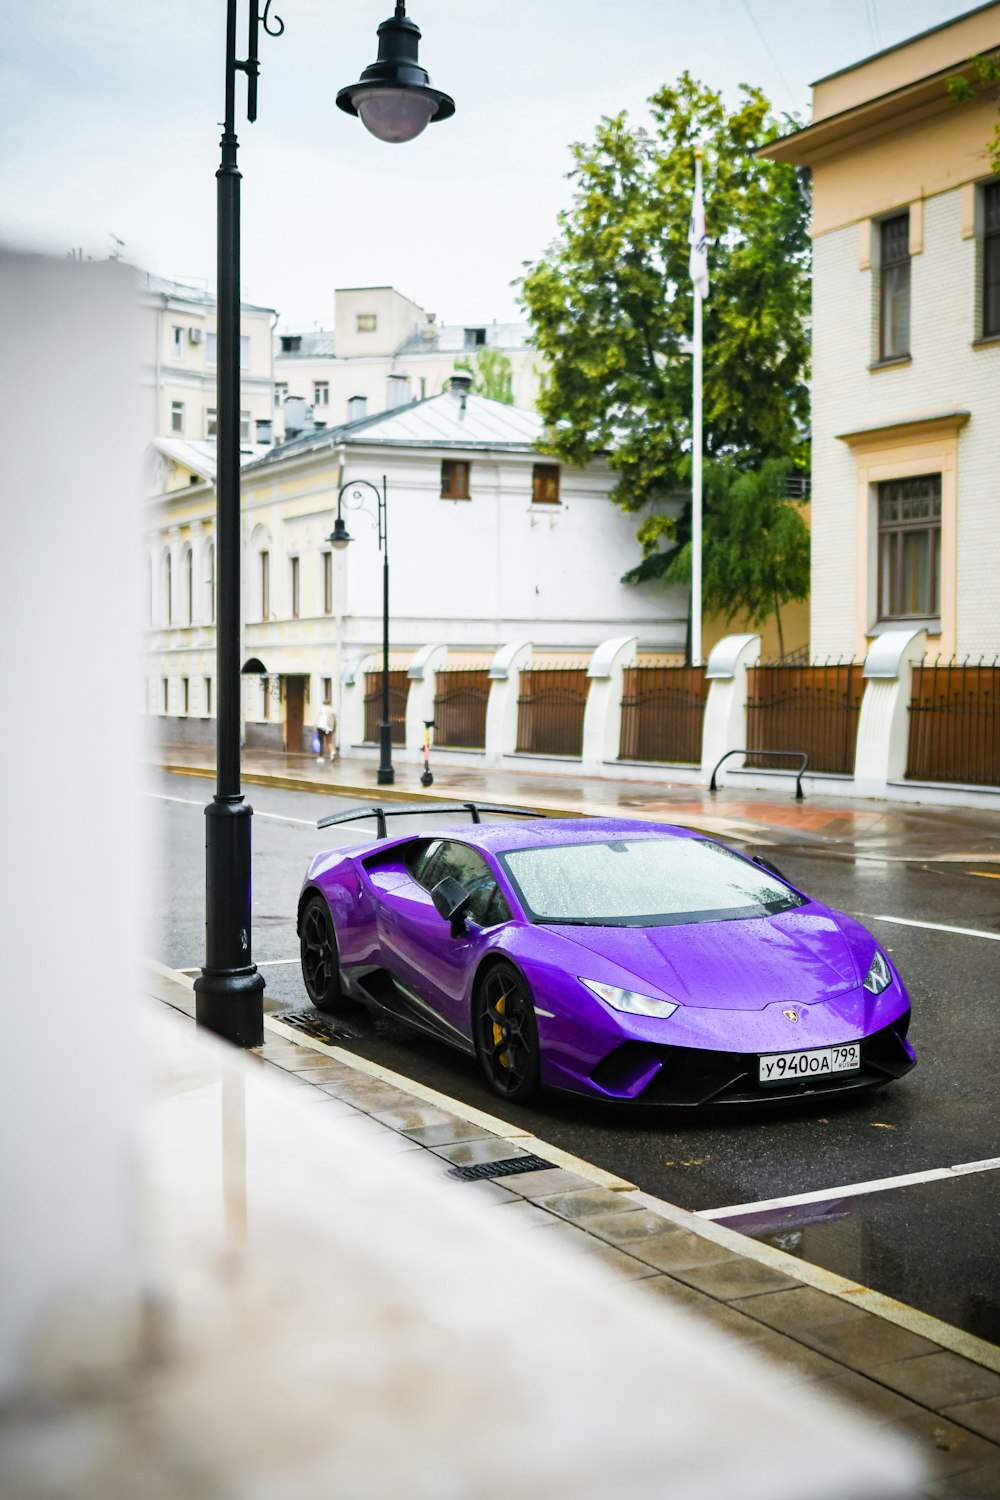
<point x="474" y="809"/>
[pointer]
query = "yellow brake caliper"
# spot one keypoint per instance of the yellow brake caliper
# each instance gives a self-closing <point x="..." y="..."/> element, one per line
<point x="503" y="1059"/>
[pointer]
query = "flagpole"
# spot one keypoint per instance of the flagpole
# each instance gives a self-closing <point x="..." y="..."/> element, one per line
<point x="696" y="452"/>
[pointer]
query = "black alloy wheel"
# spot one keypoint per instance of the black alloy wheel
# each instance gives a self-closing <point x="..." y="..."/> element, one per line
<point x="506" y="1033"/>
<point x="318" y="952"/>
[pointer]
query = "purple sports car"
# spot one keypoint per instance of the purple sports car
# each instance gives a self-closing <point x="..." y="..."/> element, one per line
<point x="622" y="960"/>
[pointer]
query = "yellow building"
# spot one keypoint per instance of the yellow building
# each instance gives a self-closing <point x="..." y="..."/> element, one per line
<point x="906" y="346"/>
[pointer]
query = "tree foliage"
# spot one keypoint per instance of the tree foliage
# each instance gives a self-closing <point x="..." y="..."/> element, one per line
<point x="611" y="308"/>
<point x="492" y="374"/>
<point x="987" y="68"/>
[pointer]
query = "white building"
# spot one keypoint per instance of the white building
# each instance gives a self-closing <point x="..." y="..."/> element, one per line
<point x="385" y="351"/>
<point x="178" y="368"/>
<point x="489" y="543"/>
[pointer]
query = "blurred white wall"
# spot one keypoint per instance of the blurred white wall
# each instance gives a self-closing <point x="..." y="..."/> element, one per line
<point x="69" y="897"/>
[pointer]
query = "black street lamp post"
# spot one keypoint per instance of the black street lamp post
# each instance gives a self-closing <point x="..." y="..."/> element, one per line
<point x="339" y="539"/>
<point x="395" y="101"/>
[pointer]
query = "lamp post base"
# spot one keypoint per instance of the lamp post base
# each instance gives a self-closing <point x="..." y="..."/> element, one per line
<point x="230" y="1002"/>
<point x="386" y="774"/>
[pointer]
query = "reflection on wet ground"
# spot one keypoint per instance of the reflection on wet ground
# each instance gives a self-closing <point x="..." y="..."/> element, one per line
<point x="900" y="1242"/>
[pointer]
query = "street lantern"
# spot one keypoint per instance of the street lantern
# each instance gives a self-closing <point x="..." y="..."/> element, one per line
<point x="395" y="101"/>
<point x="393" y="96"/>
<point x="339" y="539"/>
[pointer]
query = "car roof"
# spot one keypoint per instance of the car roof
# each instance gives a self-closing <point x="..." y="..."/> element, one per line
<point x="498" y="838"/>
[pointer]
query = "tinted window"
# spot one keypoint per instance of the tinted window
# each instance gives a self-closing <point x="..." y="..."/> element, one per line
<point x="472" y="873"/>
<point x="420" y="858"/>
<point x="644" y="882"/>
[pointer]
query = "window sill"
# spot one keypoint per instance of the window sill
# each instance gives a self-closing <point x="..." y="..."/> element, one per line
<point x="890" y="364"/>
<point x="932" y="626"/>
<point x="457" y="499"/>
<point x="986" y="341"/>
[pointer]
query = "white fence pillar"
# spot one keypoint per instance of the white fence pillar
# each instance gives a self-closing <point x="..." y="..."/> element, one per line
<point x="602" y="716"/>
<point x="725" y="723"/>
<point x="422" y="678"/>
<point x="501" y="709"/>
<point x="883" y="726"/>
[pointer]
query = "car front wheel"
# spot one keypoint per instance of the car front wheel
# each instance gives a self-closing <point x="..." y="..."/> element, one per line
<point x="506" y="1033"/>
<point x="318" y="952"/>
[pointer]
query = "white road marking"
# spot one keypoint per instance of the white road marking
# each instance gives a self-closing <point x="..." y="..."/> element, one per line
<point x="194" y="802"/>
<point x="851" y="1190"/>
<point x="930" y="926"/>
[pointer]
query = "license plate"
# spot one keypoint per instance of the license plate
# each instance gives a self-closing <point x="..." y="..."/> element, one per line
<point x="779" y="1067"/>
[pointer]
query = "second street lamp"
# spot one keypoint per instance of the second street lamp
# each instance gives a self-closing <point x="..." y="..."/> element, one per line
<point x="339" y="538"/>
<point x="395" y="101"/>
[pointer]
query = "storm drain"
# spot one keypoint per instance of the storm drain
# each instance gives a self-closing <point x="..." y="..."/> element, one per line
<point x="311" y="1023"/>
<point x="509" y="1167"/>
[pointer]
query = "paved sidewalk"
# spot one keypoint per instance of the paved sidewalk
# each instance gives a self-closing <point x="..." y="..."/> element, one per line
<point x="881" y="830"/>
<point x="899" y="1367"/>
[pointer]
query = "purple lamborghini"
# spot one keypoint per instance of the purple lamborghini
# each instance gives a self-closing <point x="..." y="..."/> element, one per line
<point x="622" y="960"/>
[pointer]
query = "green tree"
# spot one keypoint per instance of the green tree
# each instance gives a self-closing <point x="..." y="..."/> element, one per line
<point x="611" y="307"/>
<point x="756" y="545"/>
<point x="962" y="91"/>
<point x="492" y="374"/>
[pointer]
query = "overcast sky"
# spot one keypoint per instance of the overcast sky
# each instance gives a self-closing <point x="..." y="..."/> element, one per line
<point x="109" y="114"/>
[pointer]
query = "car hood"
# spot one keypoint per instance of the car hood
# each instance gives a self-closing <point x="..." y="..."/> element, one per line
<point x="799" y="956"/>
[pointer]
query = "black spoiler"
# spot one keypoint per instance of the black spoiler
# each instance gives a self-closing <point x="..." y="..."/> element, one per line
<point x="381" y="813"/>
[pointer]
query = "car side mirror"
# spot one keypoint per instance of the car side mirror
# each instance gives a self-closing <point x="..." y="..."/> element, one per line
<point x="452" y="902"/>
<point x="772" y="869"/>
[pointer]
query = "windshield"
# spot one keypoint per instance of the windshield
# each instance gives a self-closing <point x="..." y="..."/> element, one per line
<point x="643" y="883"/>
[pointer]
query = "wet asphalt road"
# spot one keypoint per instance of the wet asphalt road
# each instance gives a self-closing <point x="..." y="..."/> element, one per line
<point x="931" y="1245"/>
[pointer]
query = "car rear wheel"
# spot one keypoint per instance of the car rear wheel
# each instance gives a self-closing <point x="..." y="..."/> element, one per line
<point x="318" y="952"/>
<point x="506" y="1033"/>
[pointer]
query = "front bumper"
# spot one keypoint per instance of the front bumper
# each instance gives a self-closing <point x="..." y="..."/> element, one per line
<point x="698" y="1078"/>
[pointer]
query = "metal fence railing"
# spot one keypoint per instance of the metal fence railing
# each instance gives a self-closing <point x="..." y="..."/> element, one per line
<point x="955" y="723"/>
<point x="815" y="709"/>
<point x="460" y="699"/>
<point x="550" y="709"/>
<point x="663" y="709"/>
<point x="398" y="689"/>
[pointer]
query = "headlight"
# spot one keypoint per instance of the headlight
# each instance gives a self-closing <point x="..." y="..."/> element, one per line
<point x="629" y="1000"/>
<point x="879" y="976"/>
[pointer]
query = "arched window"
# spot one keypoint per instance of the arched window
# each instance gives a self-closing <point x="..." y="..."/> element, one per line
<point x="260" y="576"/>
<point x="187" y="576"/>
<point x="168" y="587"/>
<point x="210" y="581"/>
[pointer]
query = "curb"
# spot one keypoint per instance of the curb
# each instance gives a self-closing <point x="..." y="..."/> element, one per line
<point x="978" y="1351"/>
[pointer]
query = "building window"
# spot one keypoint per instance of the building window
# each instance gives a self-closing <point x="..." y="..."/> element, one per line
<point x="165" y="694"/>
<point x="991" y="260"/>
<point x="321" y="393"/>
<point x="189" y="585"/>
<point x="328" y="583"/>
<point x="475" y="338"/>
<point x="545" y="484"/>
<point x="265" y="585"/>
<point x="244" y="351"/>
<point x="357" y="407"/>
<point x="211" y="422"/>
<point x="327" y="691"/>
<point x="168" y="587"/>
<point x="454" y="479"/>
<point x="244" y="427"/>
<point x="210" y="580"/>
<point x="265" y="697"/>
<point x="909" y="548"/>
<point x="177" y="416"/>
<point x="894" y="287"/>
<point x="208" y="697"/>
<point x="211" y="344"/>
<point x="176" y="342"/>
<point x="185" y="695"/>
<point x="295" y="587"/>
<point x="366" y="322"/>
<point x="291" y="343"/>
<point x="280" y="392"/>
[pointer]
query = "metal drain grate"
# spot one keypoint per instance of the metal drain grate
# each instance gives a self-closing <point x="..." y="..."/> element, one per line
<point x="509" y="1167"/>
<point x="311" y="1023"/>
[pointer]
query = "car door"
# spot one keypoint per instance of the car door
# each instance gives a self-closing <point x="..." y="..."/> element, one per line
<point x="417" y="944"/>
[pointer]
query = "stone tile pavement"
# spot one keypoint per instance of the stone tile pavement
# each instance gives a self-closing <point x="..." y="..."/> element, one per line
<point x="904" y="1379"/>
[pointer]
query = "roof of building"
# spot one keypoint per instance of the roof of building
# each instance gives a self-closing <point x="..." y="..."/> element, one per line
<point x="198" y="454"/>
<point x="184" y="291"/>
<point x="446" y="338"/>
<point x="317" y="343"/>
<point x="446" y="421"/>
